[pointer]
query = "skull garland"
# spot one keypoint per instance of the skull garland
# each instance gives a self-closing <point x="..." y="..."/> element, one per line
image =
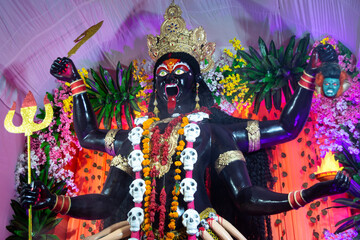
<point x="189" y="157"/>
<point x="140" y="120"/>
<point x="197" y="117"/>
<point x="191" y="220"/>
<point x="135" y="135"/>
<point x="191" y="132"/>
<point x="137" y="190"/>
<point x="135" y="159"/>
<point x="188" y="187"/>
<point x="135" y="218"/>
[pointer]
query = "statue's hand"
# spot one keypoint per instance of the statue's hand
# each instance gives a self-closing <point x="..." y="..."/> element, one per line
<point x="327" y="53"/>
<point x="314" y="62"/>
<point x="340" y="184"/>
<point x="322" y="53"/>
<point x="64" y="69"/>
<point x="37" y="195"/>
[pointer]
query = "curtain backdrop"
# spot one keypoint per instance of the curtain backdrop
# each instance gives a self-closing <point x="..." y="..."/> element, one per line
<point x="34" y="33"/>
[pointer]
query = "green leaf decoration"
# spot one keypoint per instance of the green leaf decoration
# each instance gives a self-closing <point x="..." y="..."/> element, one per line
<point x="43" y="220"/>
<point x="108" y="95"/>
<point x="270" y="73"/>
<point x="262" y="47"/>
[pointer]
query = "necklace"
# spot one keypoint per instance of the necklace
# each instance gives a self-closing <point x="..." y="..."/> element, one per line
<point x="157" y="152"/>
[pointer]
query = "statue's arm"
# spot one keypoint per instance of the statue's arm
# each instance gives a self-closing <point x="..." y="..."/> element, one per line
<point x="89" y="206"/>
<point x="257" y="200"/>
<point x="85" y="123"/>
<point x="254" y="135"/>
<point x="100" y="206"/>
<point x="231" y="168"/>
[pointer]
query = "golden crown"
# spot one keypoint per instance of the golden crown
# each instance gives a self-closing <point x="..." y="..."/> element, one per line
<point x="175" y="37"/>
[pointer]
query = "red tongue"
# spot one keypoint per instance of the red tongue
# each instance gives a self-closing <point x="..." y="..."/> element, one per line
<point x="171" y="104"/>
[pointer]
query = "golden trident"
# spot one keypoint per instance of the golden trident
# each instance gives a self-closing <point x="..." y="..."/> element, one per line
<point x="28" y="126"/>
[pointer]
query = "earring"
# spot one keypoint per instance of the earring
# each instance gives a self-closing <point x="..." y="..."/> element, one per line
<point x="197" y="99"/>
<point x="156" y="110"/>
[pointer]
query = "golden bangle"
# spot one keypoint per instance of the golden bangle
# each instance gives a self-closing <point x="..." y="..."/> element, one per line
<point x="226" y="158"/>
<point x="308" y="88"/>
<point x="109" y="141"/>
<point x="310" y="76"/>
<point x="253" y="135"/>
<point x="307" y="81"/>
<point x="121" y="163"/>
<point x="56" y="201"/>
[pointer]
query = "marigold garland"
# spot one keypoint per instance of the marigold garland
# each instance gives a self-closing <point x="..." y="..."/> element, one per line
<point x="158" y="151"/>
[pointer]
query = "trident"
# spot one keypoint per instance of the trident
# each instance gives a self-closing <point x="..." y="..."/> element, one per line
<point x="28" y="126"/>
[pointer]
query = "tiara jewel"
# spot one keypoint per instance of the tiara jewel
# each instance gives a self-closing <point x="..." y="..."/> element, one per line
<point x="175" y="37"/>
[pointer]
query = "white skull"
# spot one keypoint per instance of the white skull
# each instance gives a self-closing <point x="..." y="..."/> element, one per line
<point x="189" y="157"/>
<point x="135" y="218"/>
<point x="137" y="190"/>
<point x="135" y="159"/>
<point x="191" y="132"/>
<point x="191" y="220"/>
<point x="135" y="135"/>
<point x="214" y="216"/>
<point x="197" y="117"/>
<point x="204" y="224"/>
<point x="140" y="120"/>
<point x="188" y="188"/>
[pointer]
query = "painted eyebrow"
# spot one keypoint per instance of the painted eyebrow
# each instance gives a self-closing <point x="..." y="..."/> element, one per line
<point x="161" y="67"/>
<point x="181" y="64"/>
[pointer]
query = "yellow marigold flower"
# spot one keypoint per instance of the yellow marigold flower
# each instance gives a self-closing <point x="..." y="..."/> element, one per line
<point x="68" y="105"/>
<point x="173" y="208"/>
<point x="170" y="235"/>
<point x="175" y="215"/>
<point x="179" y="148"/>
<point x="178" y="170"/>
<point x="146" y="132"/>
<point x="177" y="177"/>
<point x="185" y="120"/>
<point x="171" y="226"/>
<point x="146" y="227"/>
<point x="174" y="204"/>
<point x="147" y="123"/>
<point x="147" y="198"/>
<point x="147" y="214"/>
<point x="178" y="163"/>
<point x="146" y="204"/>
<point x="175" y="198"/>
<point x="182" y="143"/>
<point x="147" y="182"/>
<point x="146" y="140"/>
<point x="146" y="220"/>
<point x="146" y="151"/>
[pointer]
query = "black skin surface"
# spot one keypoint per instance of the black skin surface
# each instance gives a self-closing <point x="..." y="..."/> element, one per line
<point x="214" y="140"/>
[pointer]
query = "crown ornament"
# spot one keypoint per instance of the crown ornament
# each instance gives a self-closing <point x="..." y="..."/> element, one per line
<point x="175" y="37"/>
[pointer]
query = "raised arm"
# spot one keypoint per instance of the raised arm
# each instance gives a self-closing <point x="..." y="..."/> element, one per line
<point x="254" y="135"/>
<point x="85" y="123"/>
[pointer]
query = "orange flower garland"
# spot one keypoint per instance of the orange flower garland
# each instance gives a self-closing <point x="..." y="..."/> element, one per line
<point x="149" y="174"/>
